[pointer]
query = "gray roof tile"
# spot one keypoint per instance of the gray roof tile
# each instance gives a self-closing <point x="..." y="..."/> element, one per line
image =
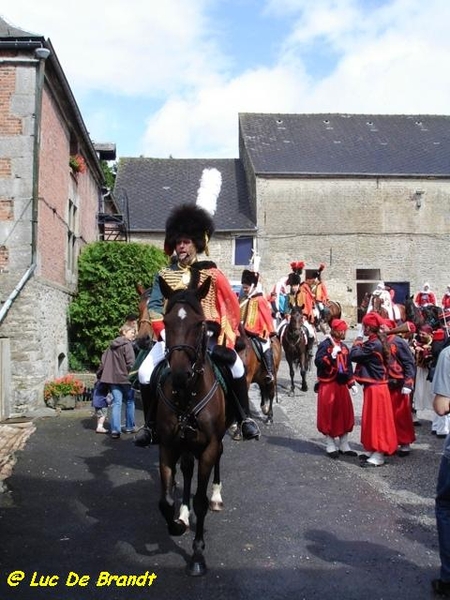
<point x="153" y="186"/>
<point x="347" y="144"/>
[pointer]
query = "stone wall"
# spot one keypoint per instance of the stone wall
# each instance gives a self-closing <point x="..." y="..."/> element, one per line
<point x="351" y="224"/>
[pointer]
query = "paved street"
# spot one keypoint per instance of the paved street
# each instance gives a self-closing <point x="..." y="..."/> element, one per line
<point x="296" y="524"/>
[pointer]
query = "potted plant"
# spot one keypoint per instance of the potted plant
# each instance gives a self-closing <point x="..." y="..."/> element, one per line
<point x="62" y="392"/>
<point x="77" y="163"/>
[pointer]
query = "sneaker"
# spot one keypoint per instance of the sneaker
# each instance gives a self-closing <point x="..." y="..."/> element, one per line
<point x="250" y="429"/>
<point x="132" y="430"/>
<point x="115" y="435"/>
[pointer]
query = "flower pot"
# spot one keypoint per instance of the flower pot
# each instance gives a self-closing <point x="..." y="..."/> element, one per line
<point x="62" y="402"/>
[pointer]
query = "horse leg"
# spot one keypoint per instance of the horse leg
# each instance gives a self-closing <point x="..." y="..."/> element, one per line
<point x="187" y="468"/>
<point x="291" y="375"/>
<point x="206" y="462"/>
<point x="269" y="392"/>
<point x="216" y="502"/>
<point x="304" y="364"/>
<point x="167" y="464"/>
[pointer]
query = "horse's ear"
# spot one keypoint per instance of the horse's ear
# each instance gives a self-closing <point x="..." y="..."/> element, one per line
<point x="165" y="288"/>
<point x="203" y="289"/>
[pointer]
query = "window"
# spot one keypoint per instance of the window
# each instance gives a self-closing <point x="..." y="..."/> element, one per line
<point x="243" y="250"/>
<point x="71" y="237"/>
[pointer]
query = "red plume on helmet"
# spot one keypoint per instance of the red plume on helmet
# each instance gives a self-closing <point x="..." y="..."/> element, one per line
<point x="297" y="266"/>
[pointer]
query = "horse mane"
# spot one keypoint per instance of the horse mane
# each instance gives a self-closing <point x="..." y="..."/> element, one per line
<point x="188" y="297"/>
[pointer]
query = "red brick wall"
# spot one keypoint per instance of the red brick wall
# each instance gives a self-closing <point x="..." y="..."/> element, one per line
<point x="9" y="124"/>
<point x="53" y="194"/>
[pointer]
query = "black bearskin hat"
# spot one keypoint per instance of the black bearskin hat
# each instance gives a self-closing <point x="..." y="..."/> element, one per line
<point x="293" y="279"/>
<point x="189" y="221"/>
<point x="249" y="277"/>
<point x="318" y="273"/>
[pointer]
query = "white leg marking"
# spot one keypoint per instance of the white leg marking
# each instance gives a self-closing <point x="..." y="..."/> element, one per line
<point x="184" y="514"/>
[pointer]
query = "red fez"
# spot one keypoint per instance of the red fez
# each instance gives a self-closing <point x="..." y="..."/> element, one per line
<point x="338" y="325"/>
<point x="439" y="335"/>
<point x="391" y="324"/>
<point x="426" y="329"/>
<point x="373" y="319"/>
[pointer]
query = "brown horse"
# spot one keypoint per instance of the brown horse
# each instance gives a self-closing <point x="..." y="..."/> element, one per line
<point x="295" y="345"/>
<point x="256" y="371"/>
<point x="191" y="417"/>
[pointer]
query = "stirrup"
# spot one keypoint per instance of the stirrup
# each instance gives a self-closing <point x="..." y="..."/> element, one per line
<point x="250" y="429"/>
<point x="146" y="436"/>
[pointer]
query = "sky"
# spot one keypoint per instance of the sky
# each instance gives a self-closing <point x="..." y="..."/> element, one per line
<point x="163" y="78"/>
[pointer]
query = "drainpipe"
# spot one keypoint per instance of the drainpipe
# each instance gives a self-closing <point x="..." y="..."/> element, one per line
<point x="41" y="54"/>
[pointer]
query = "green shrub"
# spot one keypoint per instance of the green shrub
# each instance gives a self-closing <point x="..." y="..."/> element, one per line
<point x="107" y="276"/>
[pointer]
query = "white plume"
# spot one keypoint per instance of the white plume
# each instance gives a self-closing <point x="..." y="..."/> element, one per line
<point x="209" y="190"/>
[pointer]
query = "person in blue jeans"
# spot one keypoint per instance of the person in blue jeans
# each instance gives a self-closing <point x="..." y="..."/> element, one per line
<point x="114" y="369"/>
<point x="441" y="405"/>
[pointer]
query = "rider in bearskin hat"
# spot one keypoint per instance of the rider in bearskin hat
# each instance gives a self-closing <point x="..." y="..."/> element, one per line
<point x="188" y="231"/>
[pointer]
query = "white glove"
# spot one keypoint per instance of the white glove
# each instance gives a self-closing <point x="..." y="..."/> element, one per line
<point x="335" y="351"/>
<point x="354" y="389"/>
<point x="406" y="390"/>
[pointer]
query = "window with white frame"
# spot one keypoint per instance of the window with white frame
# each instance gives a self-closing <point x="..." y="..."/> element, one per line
<point x="243" y="250"/>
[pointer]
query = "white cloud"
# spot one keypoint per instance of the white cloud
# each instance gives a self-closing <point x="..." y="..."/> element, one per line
<point x="379" y="56"/>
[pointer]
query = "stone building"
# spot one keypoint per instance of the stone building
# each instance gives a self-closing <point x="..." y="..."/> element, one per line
<point x="51" y="193"/>
<point x="367" y="195"/>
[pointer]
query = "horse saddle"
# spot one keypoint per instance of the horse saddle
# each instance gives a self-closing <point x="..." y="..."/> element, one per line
<point x="257" y="347"/>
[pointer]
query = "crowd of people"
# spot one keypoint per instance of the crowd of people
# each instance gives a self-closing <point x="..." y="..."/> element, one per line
<point x="402" y="367"/>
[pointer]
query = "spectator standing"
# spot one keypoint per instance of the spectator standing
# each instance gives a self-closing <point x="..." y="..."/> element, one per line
<point x="378" y="434"/>
<point x="423" y="394"/>
<point x="401" y="371"/>
<point x="441" y="404"/>
<point x="335" y="414"/>
<point x="114" y="369"/>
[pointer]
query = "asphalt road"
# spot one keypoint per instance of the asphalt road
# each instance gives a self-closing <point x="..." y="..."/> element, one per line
<point x="296" y="524"/>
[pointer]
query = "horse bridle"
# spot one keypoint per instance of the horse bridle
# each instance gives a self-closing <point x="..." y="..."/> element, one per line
<point x="195" y="353"/>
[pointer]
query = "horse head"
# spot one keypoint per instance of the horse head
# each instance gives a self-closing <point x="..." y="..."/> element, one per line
<point x="145" y="332"/>
<point x="297" y="319"/>
<point x="186" y="335"/>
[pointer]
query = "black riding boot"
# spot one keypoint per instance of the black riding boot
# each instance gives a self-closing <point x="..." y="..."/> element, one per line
<point x="147" y="434"/>
<point x="268" y="363"/>
<point x="249" y="428"/>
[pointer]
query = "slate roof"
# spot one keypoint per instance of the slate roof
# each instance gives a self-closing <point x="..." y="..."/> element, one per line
<point x="347" y="144"/>
<point x="8" y="31"/>
<point x="153" y="186"/>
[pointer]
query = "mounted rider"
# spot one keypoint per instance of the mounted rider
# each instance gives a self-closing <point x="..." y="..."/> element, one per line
<point x="256" y="318"/>
<point x="300" y="295"/>
<point x="320" y="293"/>
<point x="425" y="297"/>
<point x="188" y="231"/>
<point x="385" y="297"/>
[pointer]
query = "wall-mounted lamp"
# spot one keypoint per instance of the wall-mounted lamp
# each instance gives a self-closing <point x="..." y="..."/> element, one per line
<point x="418" y="197"/>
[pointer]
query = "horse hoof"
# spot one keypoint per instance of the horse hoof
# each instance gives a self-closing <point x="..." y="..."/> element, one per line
<point x="269" y="421"/>
<point x="177" y="528"/>
<point x="215" y="506"/>
<point x="197" y="568"/>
